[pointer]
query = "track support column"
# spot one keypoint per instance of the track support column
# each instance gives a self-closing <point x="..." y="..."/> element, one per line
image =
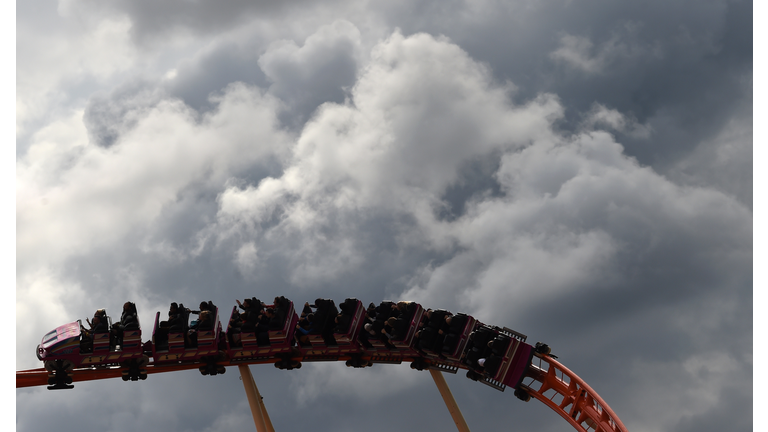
<point x="450" y="402"/>
<point x="258" y="410"/>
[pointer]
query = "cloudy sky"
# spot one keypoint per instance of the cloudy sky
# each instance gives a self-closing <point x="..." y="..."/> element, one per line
<point x="577" y="170"/>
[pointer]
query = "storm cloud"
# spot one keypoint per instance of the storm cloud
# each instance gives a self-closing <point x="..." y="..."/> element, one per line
<point x="580" y="172"/>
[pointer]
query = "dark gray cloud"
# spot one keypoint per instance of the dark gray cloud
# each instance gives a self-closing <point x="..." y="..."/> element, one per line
<point x="318" y="72"/>
<point x="321" y="70"/>
<point x="153" y="21"/>
<point x="196" y="80"/>
<point x="108" y="117"/>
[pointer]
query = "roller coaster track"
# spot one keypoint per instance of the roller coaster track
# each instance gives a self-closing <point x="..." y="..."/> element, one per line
<point x="546" y="380"/>
<point x="568" y="395"/>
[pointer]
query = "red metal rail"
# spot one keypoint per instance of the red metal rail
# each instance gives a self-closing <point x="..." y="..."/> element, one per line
<point x="568" y="395"/>
<point x="39" y="377"/>
<point x="546" y="380"/>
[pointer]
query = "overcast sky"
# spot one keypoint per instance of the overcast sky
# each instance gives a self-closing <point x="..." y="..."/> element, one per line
<point x="577" y="170"/>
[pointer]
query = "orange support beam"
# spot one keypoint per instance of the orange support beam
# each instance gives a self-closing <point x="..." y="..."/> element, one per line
<point x="450" y="402"/>
<point x="254" y="398"/>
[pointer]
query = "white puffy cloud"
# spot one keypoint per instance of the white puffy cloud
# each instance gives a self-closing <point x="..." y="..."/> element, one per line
<point x="75" y="197"/>
<point x="91" y="51"/>
<point x="573" y="211"/>
<point x="421" y="110"/>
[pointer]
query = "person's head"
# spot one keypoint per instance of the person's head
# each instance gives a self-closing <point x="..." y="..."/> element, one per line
<point x="96" y="319"/>
<point x="448" y="319"/>
<point x="369" y="328"/>
<point x="270" y="312"/>
<point x="174" y="307"/>
<point x="247" y="302"/>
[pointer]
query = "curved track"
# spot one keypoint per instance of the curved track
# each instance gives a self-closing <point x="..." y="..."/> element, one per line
<point x="568" y="395"/>
<point x="546" y="380"/>
<point x="494" y="356"/>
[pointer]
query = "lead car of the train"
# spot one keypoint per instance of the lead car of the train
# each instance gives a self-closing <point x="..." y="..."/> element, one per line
<point x="64" y="349"/>
<point x="495" y="356"/>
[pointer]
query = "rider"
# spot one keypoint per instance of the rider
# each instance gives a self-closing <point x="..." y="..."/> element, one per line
<point x="86" y="335"/>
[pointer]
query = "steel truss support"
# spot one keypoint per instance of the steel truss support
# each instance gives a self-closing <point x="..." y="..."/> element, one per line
<point x="258" y="410"/>
<point x="450" y="402"/>
<point x="565" y="393"/>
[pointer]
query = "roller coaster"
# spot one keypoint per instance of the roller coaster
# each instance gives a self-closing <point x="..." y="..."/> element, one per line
<point x="389" y="333"/>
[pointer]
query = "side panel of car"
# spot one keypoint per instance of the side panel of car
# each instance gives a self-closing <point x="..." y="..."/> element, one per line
<point x="131" y="340"/>
<point x="518" y="364"/>
<point x="278" y="342"/>
<point x="207" y="339"/>
<point x="462" y="343"/>
<point x="282" y="338"/>
<point x="414" y="320"/>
